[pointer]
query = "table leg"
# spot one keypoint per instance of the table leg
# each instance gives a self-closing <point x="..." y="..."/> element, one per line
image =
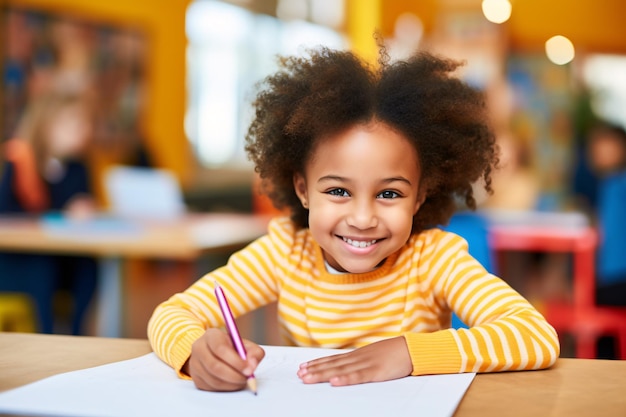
<point x="109" y="314"/>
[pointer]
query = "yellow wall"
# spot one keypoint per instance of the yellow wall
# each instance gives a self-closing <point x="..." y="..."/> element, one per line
<point x="593" y="26"/>
<point x="363" y="19"/>
<point x="163" y="21"/>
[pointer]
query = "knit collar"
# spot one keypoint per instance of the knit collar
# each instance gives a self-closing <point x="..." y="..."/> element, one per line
<point x="329" y="274"/>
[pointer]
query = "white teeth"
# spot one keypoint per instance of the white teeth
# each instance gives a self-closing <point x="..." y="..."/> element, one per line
<point x="359" y="244"/>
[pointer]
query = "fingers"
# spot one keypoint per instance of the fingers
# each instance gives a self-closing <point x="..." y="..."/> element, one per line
<point x="214" y="375"/>
<point x="214" y="365"/>
<point x="343" y="369"/>
<point x="255" y="352"/>
<point x="380" y="361"/>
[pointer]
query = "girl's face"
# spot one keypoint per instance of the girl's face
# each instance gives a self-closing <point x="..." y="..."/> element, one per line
<point x="361" y="189"/>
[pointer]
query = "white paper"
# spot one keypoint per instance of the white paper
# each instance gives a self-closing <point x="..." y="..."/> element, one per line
<point x="147" y="387"/>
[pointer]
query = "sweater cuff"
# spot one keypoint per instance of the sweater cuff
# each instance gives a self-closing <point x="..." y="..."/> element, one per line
<point x="433" y="353"/>
<point x="182" y="350"/>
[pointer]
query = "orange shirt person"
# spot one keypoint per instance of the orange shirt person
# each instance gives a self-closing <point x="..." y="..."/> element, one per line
<point x="44" y="172"/>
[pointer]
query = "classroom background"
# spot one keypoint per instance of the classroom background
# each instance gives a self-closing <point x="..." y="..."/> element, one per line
<point x="172" y="82"/>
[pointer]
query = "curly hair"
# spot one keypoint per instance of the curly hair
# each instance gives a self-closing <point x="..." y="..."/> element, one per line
<point x="330" y="91"/>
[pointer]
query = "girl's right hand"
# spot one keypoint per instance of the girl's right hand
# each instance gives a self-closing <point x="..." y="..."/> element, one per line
<point x="215" y="365"/>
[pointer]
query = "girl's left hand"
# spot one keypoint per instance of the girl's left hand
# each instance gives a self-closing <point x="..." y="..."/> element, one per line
<point x="380" y="361"/>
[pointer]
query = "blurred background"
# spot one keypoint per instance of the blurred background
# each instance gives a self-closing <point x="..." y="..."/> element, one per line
<point x="172" y="82"/>
<point x="174" y="79"/>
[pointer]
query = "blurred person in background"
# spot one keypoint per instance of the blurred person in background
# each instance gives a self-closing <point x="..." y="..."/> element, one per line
<point x="603" y="153"/>
<point x="607" y="156"/>
<point x="44" y="172"/>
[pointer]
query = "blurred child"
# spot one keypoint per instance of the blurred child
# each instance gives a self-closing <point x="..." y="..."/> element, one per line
<point x="44" y="172"/>
<point x="607" y="156"/>
<point x="603" y="154"/>
<point x="368" y="162"/>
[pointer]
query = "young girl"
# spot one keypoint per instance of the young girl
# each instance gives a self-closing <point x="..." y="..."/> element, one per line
<point x="368" y="161"/>
<point x="44" y="172"/>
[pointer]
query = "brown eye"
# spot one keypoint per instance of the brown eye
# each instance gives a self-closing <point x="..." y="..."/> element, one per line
<point x="339" y="192"/>
<point x="388" y="194"/>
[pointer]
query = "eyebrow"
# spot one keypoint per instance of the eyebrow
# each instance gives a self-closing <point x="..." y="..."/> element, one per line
<point x="343" y="179"/>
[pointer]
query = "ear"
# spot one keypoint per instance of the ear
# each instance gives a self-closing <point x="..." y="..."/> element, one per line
<point x="299" y="185"/>
<point x="421" y="197"/>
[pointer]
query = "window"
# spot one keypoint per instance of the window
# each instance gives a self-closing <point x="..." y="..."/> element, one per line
<point x="231" y="49"/>
<point x="606" y="77"/>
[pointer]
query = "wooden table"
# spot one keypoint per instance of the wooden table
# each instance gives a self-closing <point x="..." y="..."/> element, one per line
<point x="573" y="387"/>
<point x="183" y="238"/>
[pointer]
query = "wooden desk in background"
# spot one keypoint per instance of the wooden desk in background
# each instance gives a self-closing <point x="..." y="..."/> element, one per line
<point x="185" y="238"/>
<point x="572" y="388"/>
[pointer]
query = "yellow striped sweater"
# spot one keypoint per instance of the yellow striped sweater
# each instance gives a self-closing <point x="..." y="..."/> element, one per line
<point x="412" y="293"/>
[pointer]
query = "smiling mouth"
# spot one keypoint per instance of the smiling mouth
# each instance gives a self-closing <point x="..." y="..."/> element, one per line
<point x="359" y="243"/>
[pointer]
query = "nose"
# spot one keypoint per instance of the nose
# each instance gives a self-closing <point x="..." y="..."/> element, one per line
<point x="362" y="214"/>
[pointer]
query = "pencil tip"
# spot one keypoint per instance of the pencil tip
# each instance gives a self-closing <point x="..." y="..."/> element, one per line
<point x="252" y="385"/>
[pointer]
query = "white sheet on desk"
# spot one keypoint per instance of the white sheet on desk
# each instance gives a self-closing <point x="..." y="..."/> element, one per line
<point x="147" y="387"/>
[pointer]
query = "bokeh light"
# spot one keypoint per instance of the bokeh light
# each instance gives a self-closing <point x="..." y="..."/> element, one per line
<point x="560" y="50"/>
<point x="497" y="11"/>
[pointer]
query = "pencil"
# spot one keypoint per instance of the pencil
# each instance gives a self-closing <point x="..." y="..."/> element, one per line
<point x="233" y="331"/>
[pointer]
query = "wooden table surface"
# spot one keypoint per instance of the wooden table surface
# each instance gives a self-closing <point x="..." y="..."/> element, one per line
<point x="186" y="237"/>
<point x="573" y="387"/>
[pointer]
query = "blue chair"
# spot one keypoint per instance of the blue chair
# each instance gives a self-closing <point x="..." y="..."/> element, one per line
<point x="473" y="227"/>
<point x="611" y="261"/>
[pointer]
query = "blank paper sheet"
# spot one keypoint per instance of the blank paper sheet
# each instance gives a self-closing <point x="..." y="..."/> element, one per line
<point x="147" y="387"/>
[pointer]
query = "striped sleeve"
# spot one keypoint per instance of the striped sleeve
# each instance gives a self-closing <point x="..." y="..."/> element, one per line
<point x="506" y="332"/>
<point x="248" y="280"/>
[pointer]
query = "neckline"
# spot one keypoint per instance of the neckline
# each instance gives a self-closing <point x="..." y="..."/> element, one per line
<point x="348" y="277"/>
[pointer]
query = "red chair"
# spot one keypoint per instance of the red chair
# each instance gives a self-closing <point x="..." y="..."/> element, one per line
<point x="581" y="317"/>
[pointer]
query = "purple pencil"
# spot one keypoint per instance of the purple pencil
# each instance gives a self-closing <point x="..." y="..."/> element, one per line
<point x="233" y="331"/>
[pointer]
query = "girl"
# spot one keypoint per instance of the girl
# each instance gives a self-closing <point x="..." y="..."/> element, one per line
<point x="368" y="162"/>
<point x="43" y="172"/>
